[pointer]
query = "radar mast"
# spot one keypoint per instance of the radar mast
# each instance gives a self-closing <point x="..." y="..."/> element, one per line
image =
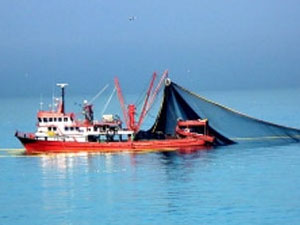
<point x="62" y="86"/>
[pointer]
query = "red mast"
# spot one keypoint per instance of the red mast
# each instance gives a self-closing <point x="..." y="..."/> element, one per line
<point x="129" y="115"/>
<point x="143" y="112"/>
<point x="121" y="99"/>
<point x="155" y="92"/>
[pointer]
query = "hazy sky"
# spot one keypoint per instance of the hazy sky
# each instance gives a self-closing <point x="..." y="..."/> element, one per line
<point x="205" y="44"/>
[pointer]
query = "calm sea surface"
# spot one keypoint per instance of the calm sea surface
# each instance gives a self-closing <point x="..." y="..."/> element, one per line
<point x="225" y="185"/>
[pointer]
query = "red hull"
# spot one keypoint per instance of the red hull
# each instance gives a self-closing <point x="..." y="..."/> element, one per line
<point x="34" y="146"/>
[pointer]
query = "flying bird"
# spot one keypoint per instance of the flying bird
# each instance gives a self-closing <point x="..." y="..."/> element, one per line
<point x="132" y="18"/>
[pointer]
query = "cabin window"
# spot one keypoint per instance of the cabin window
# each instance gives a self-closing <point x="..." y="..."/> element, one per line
<point x="50" y="119"/>
<point x="66" y="128"/>
<point x="66" y="119"/>
<point x="59" y="119"/>
<point x="89" y="129"/>
<point x="77" y="128"/>
<point x="49" y="128"/>
<point x="72" y="128"/>
<point x="45" y="120"/>
<point x="54" y="128"/>
<point x="55" y="119"/>
<point x="40" y="120"/>
<point x="95" y="129"/>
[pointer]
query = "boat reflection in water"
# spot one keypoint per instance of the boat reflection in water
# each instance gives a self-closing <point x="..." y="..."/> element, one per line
<point x="95" y="185"/>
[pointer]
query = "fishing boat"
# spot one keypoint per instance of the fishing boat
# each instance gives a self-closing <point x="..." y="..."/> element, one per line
<point x="62" y="132"/>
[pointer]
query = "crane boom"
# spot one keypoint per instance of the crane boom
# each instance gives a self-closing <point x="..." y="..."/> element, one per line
<point x="155" y="92"/>
<point x="121" y="99"/>
<point x="143" y="112"/>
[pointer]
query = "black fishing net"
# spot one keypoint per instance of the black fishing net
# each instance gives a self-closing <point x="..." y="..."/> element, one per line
<point x="227" y="125"/>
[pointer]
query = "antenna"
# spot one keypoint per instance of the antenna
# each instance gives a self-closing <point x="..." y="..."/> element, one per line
<point x="62" y="86"/>
<point x="41" y="103"/>
<point x="52" y="99"/>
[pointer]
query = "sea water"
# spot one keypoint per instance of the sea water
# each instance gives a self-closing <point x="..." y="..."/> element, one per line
<point x="224" y="185"/>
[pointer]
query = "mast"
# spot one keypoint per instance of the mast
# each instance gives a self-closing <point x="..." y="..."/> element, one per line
<point x="121" y="99"/>
<point x="143" y="113"/>
<point x="62" y="86"/>
<point x="129" y="116"/>
<point x="155" y="92"/>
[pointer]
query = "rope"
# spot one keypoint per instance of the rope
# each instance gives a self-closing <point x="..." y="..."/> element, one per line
<point x="99" y="93"/>
<point x="108" y="101"/>
<point x="235" y="111"/>
<point x="149" y="109"/>
<point x="141" y="97"/>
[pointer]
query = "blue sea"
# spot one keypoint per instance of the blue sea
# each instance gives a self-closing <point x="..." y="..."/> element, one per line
<point x="224" y="185"/>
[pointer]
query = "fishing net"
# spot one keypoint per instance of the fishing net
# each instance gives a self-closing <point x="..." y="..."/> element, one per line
<point x="226" y="125"/>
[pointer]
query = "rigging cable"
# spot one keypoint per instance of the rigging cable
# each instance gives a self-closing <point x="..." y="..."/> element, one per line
<point x="98" y="94"/>
<point x="141" y="97"/>
<point x="108" y="101"/>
